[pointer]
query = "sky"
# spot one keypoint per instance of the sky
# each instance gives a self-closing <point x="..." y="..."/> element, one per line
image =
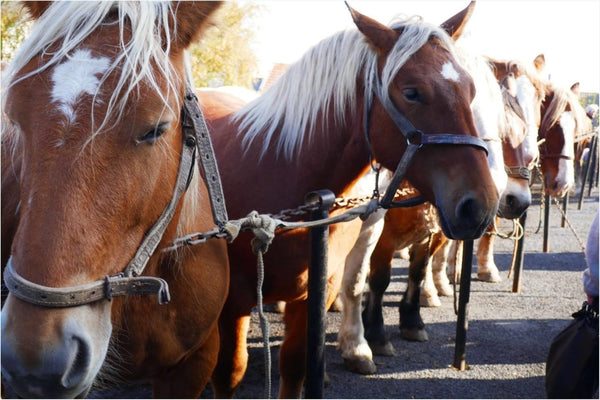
<point x="567" y="32"/>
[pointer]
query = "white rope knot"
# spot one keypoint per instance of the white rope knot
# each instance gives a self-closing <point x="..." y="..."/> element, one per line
<point x="263" y="227"/>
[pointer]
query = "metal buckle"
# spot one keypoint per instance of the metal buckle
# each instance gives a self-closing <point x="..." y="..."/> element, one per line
<point x="415" y="138"/>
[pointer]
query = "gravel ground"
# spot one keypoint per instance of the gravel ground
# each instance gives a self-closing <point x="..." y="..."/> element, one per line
<point x="509" y="333"/>
<point x="507" y="342"/>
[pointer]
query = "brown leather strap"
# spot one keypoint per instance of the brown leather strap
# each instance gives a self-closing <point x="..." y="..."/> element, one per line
<point x="113" y="286"/>
<point x="194" y="124"/>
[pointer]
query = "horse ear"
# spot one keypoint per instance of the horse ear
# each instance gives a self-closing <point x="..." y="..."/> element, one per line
<point x="380" y="36"/>
<point x="36" y="8"/>
<point x="192" y="19"/>
<point x="539" y="62"/>
<point x="575" y="88"/>
<point x="455" y="25"/>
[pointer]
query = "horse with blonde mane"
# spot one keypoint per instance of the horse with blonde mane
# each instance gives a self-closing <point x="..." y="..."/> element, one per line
<point x="98" y="175"/>
<point x="307" y="132"/>
<point x="417" y="227"/>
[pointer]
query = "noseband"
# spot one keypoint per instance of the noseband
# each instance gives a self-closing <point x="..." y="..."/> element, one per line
<point x="130" y="282"/>
<point x="415" y="140"/>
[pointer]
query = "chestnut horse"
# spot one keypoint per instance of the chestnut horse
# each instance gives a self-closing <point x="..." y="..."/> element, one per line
<point x="306" y="132"/>
<point x="417" y="226"/>
<point x="563" y="120"/>
<point x="101" y="168"/>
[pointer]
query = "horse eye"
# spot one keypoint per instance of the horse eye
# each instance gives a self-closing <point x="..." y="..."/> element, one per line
<point x="412" y="95"/>
<point x="153" y="134"/>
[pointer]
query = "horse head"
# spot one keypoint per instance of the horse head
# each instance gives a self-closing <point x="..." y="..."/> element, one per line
<point x="101" y="143"/>
<point x="423" y="81"/>
<point x="563" y="119"/>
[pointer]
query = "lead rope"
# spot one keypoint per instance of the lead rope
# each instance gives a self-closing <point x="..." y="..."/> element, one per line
<point x="264" y="322"/>
<point x="264" y="233"/>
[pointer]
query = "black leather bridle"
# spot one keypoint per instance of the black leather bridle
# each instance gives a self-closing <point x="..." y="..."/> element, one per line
<point x="415" y="139"/>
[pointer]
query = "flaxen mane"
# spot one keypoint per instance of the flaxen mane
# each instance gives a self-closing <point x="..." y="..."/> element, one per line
<point x="325" y="78"/>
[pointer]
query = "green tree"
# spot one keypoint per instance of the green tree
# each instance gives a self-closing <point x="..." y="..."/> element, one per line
<point x="224" y="56"/>
<point x="14" y="28"/>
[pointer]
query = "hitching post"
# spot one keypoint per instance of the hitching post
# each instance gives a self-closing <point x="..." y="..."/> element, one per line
<point x="462" y="323"/>
<point x="317" y="292"/>
<point x="593" y="160"/>
<point x="547" y="199"/>
<point x="517" y="261"/>
<point x="563" y="221"/>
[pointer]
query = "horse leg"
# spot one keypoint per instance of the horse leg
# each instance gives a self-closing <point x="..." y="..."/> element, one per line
<point x="233" y="352"/>
<point x="379" y="279"/>
<point x="356" y="352"/>
<point x="411" y="324"/>
<point x="487" y="271"/>
<point x="436" y="282"/>
<point x="188" y="379"/>
<point x="452" y="254"/>
<point x="292" y="355"/>
<point x="429" y="295"/>
<point x="439" y="264"/>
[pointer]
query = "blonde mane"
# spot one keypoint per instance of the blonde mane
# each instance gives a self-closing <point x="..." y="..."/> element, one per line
<point x="65" y="25"/>
<point x="326" y="78"/>
<point x="563" y="99"/>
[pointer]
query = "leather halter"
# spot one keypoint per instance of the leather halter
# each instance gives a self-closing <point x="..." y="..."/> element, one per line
<point x="130" y="282"/>
<point x="415" y="139"/>
<point x="518" y="172"/>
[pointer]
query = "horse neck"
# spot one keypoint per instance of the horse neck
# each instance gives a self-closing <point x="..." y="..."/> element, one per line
<point x="332" y="157"/>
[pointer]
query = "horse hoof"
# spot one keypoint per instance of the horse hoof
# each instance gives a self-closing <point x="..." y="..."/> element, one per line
<point x="360" y="365"/>
<point x="430" y="301"/>
<point x="383" y="349"/>
<point x="491" y="277"/>
<point x="414" y="334"/>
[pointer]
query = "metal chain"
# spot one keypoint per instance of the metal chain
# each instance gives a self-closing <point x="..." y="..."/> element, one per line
<point x="218" y="233"/>
<point x="290" y="213"/>
<point x="340" y="203"/>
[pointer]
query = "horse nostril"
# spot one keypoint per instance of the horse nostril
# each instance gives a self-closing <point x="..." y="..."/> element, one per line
<point x="466" y="209"/>
<point x="77" y="370"/>
<point x="511" y="201"/>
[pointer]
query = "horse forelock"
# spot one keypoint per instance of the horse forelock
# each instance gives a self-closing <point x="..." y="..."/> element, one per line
<point x="144" y="57"/>
<point x="324" y="79"/>
<point x="414" y="34"/>
<point x="562" y="100"/>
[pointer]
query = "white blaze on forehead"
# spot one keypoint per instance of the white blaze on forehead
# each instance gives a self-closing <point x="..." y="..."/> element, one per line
<point x="449" y="72"/>
<point x="75" y="77"/>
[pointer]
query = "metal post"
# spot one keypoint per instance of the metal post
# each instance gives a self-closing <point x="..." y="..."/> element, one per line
<point x="518" y="257"/>
<point x="317" y="293"/>
<point x="547" y="199"/>
<point x="462" y="323"/>
<point x="586" y="172"/>
<point x="593" y="160"/>
<point x="563" y="220"/>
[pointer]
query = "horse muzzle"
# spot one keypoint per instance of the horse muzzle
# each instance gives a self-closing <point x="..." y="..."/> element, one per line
<point x="468" y="218"/>
<point x="59" y="361"/>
